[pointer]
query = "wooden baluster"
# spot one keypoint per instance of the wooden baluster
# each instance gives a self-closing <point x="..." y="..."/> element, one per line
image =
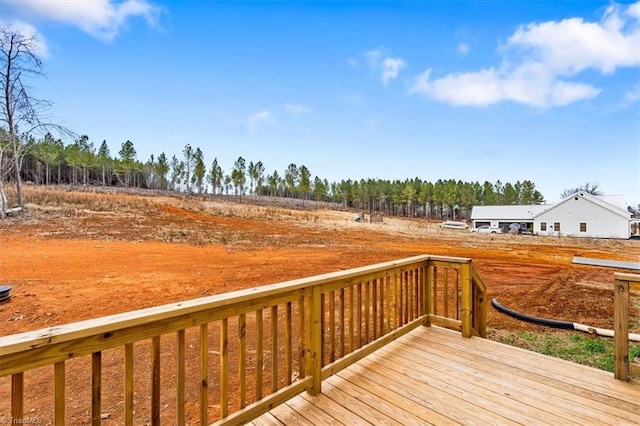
<point x="259" y="355"/>
<point x="408" y="303"/>
<point x="374" y="323"/>
<point x="96" y="387"/>
<point x="420" y="284"/>
<point x="274" y="348"/>
<point x="359" y="314"/>
<point x="342" y="323"/>
<point x="128" y="384"/>
<point x="446" y="292"/>
<point x="224" y="368"/>
<point x="401" y="298"/>
<point x="323" y="329"/>
<point x="367" y="311"/>
<point x="411" y="295"/>
<point x="288" y="351"/>
<point x="59" y="391"/>
<point x="457" y="294"/>
<point x="181" y="378"/>
<point x="17" y="395"/>
<point x="204" y="373"/>
<point x="155" y="380"/>
<point x="351" y="319"/>
<point x="332" y="326"/>
<point x="396" y="300"/>
<point x="435" y="290"/>
<point x="302" y="333"/>
<point x="382" y="306"/>
<point x="417" y="287"/>
<point x="242" y="359"/>
<point x="388" y="299"/>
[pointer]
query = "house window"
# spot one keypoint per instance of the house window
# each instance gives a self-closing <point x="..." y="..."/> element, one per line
<point x="583" y="226"/>
<point x="543" y="226"/>
<point x="556" y="226"/>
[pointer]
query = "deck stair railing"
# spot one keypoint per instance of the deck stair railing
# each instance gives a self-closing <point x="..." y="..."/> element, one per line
<point x="235" y="356"/>
<point x="624" y="283"/>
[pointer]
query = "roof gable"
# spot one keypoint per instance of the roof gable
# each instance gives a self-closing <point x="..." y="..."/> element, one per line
<point x="599" y="201"/>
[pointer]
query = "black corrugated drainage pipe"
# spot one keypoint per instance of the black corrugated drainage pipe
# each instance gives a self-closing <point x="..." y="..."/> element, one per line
<point x="559" y="324"/>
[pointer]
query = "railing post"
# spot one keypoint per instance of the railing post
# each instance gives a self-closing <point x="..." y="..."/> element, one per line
<point x="465" y="282"/>
<point x="479" y="311"/>
<point x="313" y="331"/>
<point x="621" y="329"/>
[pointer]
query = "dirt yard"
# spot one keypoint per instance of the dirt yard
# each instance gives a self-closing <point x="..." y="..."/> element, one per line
<point x="80" y="255"/>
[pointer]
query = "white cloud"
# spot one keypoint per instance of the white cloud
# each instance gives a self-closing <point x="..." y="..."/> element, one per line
<point x="296" y="109"/>
<point x="634" y="11"/>
<point x="572" y="45"/>
<point x="538" y="59"/>
<point x="463" y="48"/>
<point x="391" y="68"/>
<point x="564" y="93"/>
<point x="490" y="86"/>
<point x="28" y="31"/>
<point x="259" y="119"/>
<point x="388" y="67"/>
<point x="631" y="97"/>
<point x="102" y="19"/>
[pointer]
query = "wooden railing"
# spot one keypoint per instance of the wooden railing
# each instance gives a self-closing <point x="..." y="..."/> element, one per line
<point x="240" y="354"/>
<point x="623" y="284"/>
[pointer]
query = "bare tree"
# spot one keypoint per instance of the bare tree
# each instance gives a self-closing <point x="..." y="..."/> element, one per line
<point x="589" y="188"/>
<point x="20" y="113"/>
<point x="5" y="170"/>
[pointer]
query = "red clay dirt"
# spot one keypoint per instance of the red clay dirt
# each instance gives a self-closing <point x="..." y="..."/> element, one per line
<point x="88" y="255"/>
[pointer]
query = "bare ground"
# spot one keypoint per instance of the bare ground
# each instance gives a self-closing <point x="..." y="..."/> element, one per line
<point x="80" y="255"/>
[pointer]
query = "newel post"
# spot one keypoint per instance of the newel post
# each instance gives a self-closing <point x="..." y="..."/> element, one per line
<point x="313" y="338"/>
<point x="621" y="329"/>
<point x="465" y="281"/>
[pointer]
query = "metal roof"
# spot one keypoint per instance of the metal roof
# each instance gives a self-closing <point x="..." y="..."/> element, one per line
<point x="514" y="213"/>
<point x="616" y="200"/>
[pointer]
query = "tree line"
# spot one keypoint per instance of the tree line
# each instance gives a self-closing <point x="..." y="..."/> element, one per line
<point x="49" y="161"/>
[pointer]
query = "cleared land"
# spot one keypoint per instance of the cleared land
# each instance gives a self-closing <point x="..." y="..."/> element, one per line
<point x="76" y="255"/>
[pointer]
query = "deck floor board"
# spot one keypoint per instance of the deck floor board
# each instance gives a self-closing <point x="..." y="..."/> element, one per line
<point x="434" y="376"/>
<point x="507" y="388"/>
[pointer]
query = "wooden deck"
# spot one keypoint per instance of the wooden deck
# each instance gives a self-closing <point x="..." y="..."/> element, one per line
<point x="434" y="376"/>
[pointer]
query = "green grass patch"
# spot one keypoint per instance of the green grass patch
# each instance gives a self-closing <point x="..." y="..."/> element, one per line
<point x="580" y="348"/>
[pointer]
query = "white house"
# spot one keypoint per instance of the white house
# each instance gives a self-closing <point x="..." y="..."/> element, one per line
<point x="585" y="215"/>
<point x="500" y="217"/>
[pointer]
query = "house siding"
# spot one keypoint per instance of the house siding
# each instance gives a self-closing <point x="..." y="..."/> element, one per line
<point x="600" y="221"/>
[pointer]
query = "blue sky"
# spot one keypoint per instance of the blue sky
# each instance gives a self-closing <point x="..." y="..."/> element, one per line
<point x="547" y="91"/>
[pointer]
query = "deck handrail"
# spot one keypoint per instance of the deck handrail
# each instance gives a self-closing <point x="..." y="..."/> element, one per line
<point x="329" y="320"/>
<point x="623" y="284"/>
